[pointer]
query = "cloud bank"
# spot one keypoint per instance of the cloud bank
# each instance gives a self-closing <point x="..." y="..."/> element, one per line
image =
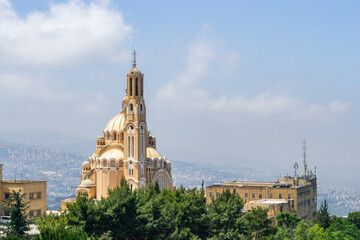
<point x="67" y="33"/>
<point x="184" y="92"/>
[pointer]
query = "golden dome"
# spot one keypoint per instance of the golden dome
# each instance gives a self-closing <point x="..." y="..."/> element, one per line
<point x="117" y="123"/>
<point x="134" y="70"/>
<point x="152" y="153"/>
<point x="113" y="153"/>
<point x="86" y="163"/>
<point x="87" y="183"/>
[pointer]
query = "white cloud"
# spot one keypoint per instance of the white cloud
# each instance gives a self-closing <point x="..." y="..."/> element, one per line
<point x="263" y="103"/>
<point x="318" y="111"/>
<point x="48" y="93"/>
<point x="69" y="32"/>
<point x="184" y="92"/>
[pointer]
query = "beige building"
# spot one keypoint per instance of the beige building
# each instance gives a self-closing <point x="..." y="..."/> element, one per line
<point x="274" y="206"/>
<point x="35" y="194"/>
<point x="125" y="149"/>
<point x="302" y="190"/>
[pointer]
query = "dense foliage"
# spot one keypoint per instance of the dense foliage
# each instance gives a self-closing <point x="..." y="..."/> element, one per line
<point x="183" y="214"/>
<point x="16" y="206"/>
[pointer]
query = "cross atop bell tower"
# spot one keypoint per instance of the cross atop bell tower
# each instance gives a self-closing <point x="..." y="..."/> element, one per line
<point x="134" y="58"/>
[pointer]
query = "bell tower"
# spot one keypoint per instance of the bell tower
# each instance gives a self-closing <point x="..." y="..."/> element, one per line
<point x="135" y="137"/>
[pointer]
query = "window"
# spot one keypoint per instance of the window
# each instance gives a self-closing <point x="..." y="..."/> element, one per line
<point x="236" y="194"/>
<point x="253" y="195"/>
<point x="31" y="213"/>
<point x="104" y="163"/>
<point x="31" y="196"/>
<point x="210" y="194"/>
<point x="131" y="107"/>
<point x="112" y="164"/>
<point x="130" y="86"/>
<point x="289" y="196"/>
<point x="122" y="136"/>
<point x="131" y="171"/>
<point x="141" y="107"/>
<point x="280" y="196"/>
<point x="137" y="87"/>
<point x="154" y="163"/>
<point x="217" y="195"/>
<point x="121" y="164"/>
<point x="246" y="195"/>
<point x="271" y="195"/>
<point x="108" y="136"/>
<point x="38" y="212"/>
<point x="260" y="195"/>
<point x="114" y="136"/>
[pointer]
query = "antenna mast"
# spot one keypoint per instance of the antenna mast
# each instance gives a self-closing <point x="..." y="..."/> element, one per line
<point x="304" y="161"/>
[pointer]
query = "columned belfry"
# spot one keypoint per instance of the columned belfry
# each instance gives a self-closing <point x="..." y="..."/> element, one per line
<point x="126" y="149"/>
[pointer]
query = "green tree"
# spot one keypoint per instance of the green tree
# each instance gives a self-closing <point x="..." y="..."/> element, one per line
<point x="85" y="213"/>
<point x="323" y="216"/>
<point x="119" y="212"/>
<point x="259" y="224"/>
<point x="287" y="220"/>
<point x="341" y="228"/>
<point x="225" y="217"/>
<point x="17" y="207"/>
<point x="354" y="217"/>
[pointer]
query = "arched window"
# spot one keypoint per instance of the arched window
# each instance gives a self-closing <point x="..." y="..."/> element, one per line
<point x="104" y="163"/>
<point x="140" y="107"/>
<point x="131" y="107"/>
<point x="137" y="87"/>
<point x="130" y="86"/>
<point x="112" y="164"/>
<point x="154" y="163"/>
<point x="121" y="164"/>
<point x="114" y="136"/>
<point x="122" y="136"/>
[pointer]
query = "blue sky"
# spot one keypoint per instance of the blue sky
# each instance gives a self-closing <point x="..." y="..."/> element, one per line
<point x="236" y="82"/>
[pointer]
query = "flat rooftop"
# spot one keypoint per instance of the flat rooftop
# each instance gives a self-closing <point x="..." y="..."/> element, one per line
<point x="270" y="201"/>
<point x="250" y="183"/>
<point x="23" y="181"/>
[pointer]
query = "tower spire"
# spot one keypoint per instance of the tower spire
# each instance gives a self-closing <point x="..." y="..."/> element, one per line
<point x="134" y="58"/>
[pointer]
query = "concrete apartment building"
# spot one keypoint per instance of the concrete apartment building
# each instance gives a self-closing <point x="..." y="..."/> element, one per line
<point x="301" y="189"/>
<point x="35" y="194"/>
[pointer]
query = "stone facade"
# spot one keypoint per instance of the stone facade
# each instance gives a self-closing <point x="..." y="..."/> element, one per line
<point x="35" y="194"/>
<point x="125" y="149"/>
<point x="303" y="190"/>
<point x="274" y="206"/>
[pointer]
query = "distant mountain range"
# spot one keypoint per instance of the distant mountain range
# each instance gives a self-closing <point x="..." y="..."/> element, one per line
<point x="62" y="170"/>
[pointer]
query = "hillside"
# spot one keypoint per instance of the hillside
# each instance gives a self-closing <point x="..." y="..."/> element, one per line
<point x="62" y="170"/>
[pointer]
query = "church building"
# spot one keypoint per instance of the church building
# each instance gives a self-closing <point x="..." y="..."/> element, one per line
<point x="126" y="149"/>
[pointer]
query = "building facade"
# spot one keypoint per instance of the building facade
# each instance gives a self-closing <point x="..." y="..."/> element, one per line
<point x="126" y="149"/>
<point x="301" y="189"/>
<point x="274" y="206"/>
<point x="35" y="194"/>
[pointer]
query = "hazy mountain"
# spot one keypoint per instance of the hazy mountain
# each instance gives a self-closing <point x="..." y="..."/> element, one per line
<point x="51" y="139"/>
<point x="62" y="170"/>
